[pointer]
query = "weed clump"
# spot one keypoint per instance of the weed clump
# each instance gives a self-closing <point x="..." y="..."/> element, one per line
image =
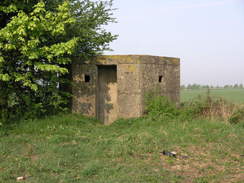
<point x="159" y="107"/>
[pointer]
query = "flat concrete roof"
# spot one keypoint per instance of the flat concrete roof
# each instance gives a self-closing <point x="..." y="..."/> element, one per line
<point x="132" y="59"/>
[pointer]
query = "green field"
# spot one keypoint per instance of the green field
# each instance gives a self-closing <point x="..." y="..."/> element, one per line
<point x="71" y="148"/>
<point x="233" y="95"/>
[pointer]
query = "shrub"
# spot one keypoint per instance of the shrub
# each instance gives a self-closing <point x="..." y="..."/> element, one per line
<point x="158" y="107"/>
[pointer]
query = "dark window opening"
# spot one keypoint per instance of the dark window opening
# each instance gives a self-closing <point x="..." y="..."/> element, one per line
<point x="160" y="79"/>
<point x="87" y="78"/>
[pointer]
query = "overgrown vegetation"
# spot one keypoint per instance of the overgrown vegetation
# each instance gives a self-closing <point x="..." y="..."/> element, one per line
<point x="159" y="107"/>
<point x="202" y="107"/>
<point x="38" y="41"/>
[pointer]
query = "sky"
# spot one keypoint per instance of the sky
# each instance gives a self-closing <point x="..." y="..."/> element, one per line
<point x="207" y="35"/>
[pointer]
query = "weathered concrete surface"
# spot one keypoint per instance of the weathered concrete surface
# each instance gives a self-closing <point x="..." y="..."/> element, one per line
<point x="84" y="94"/>
<point x="118" y="84"/>
<point x="106" y="96"/>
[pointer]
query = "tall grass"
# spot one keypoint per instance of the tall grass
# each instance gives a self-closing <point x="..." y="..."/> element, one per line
<point x="202" y="107"/>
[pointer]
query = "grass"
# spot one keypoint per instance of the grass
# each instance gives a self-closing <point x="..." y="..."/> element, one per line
<point x="71" y="148"/>
<point x="232" y="95"/>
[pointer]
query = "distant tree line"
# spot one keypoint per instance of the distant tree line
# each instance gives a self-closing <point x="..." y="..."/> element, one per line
<point x="198" y="86"/>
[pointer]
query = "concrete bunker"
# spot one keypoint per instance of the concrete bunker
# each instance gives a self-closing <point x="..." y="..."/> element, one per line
<point x="112" y="87"/>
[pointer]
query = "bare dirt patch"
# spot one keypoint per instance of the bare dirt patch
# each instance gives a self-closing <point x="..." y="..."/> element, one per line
<point x="201" y="163"/>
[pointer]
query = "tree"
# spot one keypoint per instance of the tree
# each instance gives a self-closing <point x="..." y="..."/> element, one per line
<point x="37" y="42"/>
<point x="89" y="27"/>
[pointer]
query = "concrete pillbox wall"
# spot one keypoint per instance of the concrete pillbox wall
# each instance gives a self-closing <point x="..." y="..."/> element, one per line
<point x="112" y="87"/>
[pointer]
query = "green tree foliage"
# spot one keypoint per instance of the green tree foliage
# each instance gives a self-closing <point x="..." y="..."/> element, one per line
<point x="89" y="27"/>
<point x="37" y="42"/>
